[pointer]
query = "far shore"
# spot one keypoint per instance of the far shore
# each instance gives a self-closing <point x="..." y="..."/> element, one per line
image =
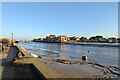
<point x="84" y="43"/>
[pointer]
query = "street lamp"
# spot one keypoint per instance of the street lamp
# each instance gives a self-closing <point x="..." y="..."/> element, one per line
<point x="12" y="38"/>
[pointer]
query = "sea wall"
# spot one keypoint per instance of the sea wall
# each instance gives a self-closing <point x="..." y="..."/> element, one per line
<point x="38" y="66"/>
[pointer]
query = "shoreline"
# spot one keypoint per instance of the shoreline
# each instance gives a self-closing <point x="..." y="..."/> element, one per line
<point x="84" y="43"/>
<point x="106" y="71"/>
<point x="73" y="69"/>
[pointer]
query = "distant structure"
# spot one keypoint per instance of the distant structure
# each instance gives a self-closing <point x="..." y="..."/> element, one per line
<point x="83" y="39"/>
<point x="63" y="38"/>
<point x="50" y="38"/>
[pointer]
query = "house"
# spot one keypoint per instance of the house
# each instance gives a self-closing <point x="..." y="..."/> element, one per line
<point x="112" y="39"/>
<point x="35" y="39"/>
<point x="44" y="39"/>
<point x="40" y="39"/>
<point x="96" y="38"/>
<point x="99" y="36"/>
<point x="50" y="38"/>
<point x="61" y="38"/>
<point x="118" y="40"/>
<point x="68" y="38"/>
<point x="83" y="39"/>
<point x="103" y="39"/>
<point x="93" y="38"/>
<point x="75" y="38"/>
<point x="47" y="38"/>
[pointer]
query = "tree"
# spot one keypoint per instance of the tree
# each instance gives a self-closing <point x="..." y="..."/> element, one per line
<point x="5" y="40"/>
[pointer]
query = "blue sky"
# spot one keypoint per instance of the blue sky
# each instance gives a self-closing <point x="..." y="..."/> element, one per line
<point x="30" y="20"/>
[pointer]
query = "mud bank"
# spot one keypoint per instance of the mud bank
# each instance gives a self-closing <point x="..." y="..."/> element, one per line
<point x="86" y="69"/>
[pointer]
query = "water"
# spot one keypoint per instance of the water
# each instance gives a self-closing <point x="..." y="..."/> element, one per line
<point x="104" y="55"/>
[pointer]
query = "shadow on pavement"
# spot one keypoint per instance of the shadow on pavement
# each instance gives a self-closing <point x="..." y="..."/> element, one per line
<point x="11" y="72"/>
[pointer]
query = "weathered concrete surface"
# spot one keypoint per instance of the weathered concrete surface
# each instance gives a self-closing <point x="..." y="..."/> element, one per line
<point x="47" y="71"/>
<point x="9" y="71"/>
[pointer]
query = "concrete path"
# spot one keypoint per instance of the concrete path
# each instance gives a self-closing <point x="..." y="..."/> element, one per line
<point x="10" y="56"/>
<point x="43" y="70"/>
<point x="9" y="71"/>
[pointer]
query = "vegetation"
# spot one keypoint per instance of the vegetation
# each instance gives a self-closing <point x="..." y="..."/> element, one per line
<point x="5" y="40"/>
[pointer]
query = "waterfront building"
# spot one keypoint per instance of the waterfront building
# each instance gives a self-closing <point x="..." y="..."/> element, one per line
<point x="112" y="39"/>
<point x="40" y="39"/>
<point x="68" y="38"/>
<point x="75" y="38"/>
<point x="83" y="39"/>
<point x="99" y="37"/>
<point x="35" y="39"/>
<point x="118" y="40"/>
<point x="96" y="38"/>
<point x="44" y="39"/>
<point x="93" y="38"/>
<point x="47" y="38"/>
<point x="103" y="39"/>
<point x="50" y="38"/>
<point x="61" y="38"/>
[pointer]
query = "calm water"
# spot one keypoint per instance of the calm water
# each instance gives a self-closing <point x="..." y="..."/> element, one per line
<point x="104" y="55"/>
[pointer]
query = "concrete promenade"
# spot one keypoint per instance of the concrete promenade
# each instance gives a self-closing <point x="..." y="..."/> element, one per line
<point x="38" y="66"/>
<point x="9" y="71"/>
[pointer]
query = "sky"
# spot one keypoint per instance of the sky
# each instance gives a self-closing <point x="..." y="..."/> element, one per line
<point x="30" y="20"/>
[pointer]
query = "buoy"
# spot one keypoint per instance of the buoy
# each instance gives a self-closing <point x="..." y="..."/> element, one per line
<point x="90" y="59"/>
<point x="80" y="57"/>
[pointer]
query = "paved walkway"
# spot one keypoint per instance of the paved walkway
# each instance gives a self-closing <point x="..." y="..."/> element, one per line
<point x="9" y="71"/>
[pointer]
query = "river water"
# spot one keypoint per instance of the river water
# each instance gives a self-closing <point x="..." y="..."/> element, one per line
<point x="103" y="55"/>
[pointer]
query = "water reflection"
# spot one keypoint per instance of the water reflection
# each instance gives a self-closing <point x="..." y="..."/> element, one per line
<point x="63" y="47"/>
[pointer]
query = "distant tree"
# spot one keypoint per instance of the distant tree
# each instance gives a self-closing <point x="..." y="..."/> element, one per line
<point x="5" y="40"/>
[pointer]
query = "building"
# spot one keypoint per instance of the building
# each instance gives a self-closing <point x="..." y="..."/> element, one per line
<point x="35" y="39"/>
<point x="61" y="38"/>
<point x="99" y="37"/>
<point x="44" y="39"/>
<point x="96" y="38"/>
<point x="50" y="38"/>
<point x="103" y="39"/>
<point x="40" y="39"/>
<point x="93" y="38"/>
<point x="118" y="40"/>
<point x="75" y="38"/>
<point x="83" y="39"/>
<point x="68" y="38"/>
<point x="112" y="39"/>
<point x="47" y="38"/>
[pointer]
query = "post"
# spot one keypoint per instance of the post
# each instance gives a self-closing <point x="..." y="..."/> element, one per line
<point x="12" y="38"/>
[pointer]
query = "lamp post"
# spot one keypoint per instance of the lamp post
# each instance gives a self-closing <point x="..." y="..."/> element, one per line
<point x="12" y="38"/>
